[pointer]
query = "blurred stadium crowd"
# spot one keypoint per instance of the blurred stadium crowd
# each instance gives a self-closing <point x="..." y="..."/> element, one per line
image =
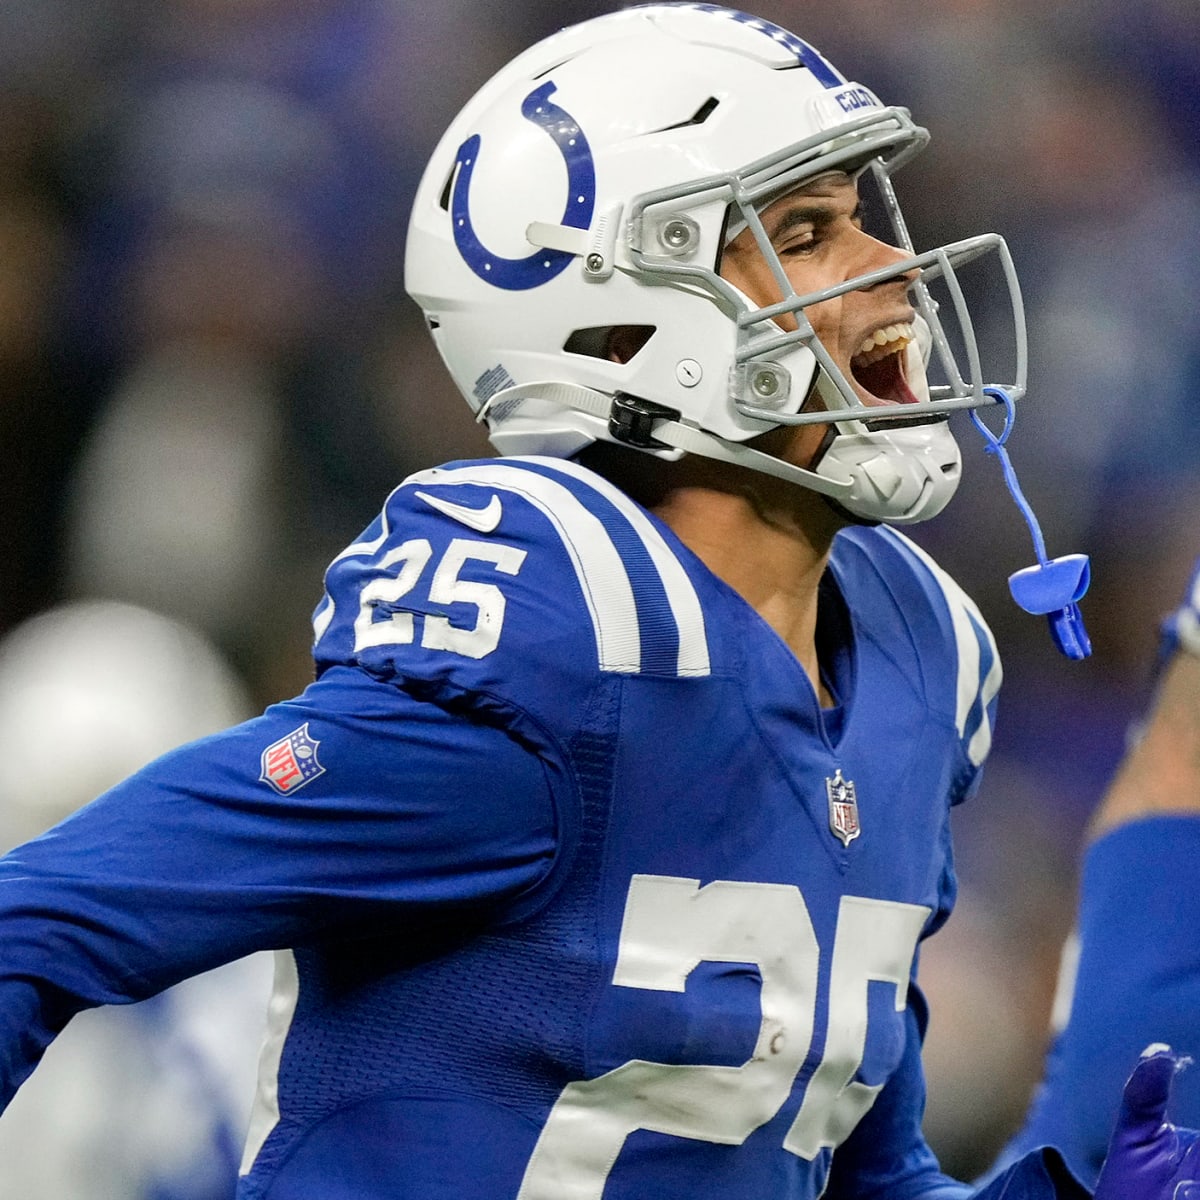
<point x="210" y="378"/>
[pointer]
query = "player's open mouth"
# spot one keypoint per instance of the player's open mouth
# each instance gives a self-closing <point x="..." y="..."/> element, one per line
<point x="878" y="367"/>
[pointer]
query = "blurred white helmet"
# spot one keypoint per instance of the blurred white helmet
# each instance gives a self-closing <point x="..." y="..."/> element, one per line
<point x="90" y="692"/>
<point x="592" y="185"/>
<point x="130" y="1100"/>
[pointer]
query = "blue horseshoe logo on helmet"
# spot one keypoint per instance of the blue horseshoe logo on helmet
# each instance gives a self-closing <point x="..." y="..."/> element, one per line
<point x="518" y="274"/>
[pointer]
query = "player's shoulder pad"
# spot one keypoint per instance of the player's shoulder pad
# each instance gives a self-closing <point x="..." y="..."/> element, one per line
<point x="521" y="579"/>
<point x="918" y="605"/>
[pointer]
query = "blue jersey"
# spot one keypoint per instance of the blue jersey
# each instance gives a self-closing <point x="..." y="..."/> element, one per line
<point x="578" y="892"/>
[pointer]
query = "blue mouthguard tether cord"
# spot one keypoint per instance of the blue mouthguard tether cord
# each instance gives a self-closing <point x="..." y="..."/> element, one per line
<point x="1052" y="587"/>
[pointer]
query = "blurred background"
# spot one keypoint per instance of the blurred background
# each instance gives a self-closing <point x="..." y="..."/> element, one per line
<point x="210" y="377"/>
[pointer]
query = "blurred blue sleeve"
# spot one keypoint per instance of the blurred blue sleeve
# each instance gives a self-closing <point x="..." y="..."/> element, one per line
<point x="416" y="818"/>
<point x="1137" y="982"/>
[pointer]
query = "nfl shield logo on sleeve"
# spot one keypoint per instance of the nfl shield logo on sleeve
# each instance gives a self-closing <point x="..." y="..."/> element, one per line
<point x="843" y="808"/>
<point x="291" y="762"/>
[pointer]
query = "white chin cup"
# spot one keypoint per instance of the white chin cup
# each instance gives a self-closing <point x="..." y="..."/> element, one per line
<point x="901" y="476"/>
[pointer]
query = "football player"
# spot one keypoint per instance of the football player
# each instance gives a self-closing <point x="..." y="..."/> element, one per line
<point x="1130" y="973"/>
<point x="598" y="855"/>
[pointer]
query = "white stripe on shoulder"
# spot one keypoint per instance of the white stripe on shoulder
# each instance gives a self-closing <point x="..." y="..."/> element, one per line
<point x="601" y="573"/>
<point x="965" y="618"/>
<point x="323" y="617"/>
<point x="681" y="595"/>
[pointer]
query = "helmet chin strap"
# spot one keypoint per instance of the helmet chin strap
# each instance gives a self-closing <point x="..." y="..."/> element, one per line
<point x="663" y="431"/>
<point x="868" y="481"/>
<point x="851" y="518"/>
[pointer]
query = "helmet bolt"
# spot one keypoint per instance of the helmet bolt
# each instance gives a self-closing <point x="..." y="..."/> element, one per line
<point x="678" y="235"/>
<point x="594" y="263"/>
<point x="765" y="384"/>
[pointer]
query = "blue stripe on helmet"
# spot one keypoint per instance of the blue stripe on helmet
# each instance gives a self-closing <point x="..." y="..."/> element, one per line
<point x="823" y="71"/>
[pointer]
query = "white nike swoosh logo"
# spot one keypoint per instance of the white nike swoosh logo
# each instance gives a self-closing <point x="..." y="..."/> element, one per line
<point x="484" y="519"/>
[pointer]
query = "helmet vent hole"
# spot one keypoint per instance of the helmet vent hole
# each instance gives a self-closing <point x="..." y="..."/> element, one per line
<point x="616" y="343"/>
<point x="444" y="199"/>
<point x="705" y="111"/>
<point x="701" y="115"/>
<point x="553" y="67"/>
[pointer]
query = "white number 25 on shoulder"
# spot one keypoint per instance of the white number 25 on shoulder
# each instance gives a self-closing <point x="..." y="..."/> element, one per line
<point x="409" y="561"/>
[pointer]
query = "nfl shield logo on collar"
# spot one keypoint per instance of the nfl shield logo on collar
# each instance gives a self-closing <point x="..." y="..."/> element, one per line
<point x="291" y="762"/>
<point x="843" y="808"/>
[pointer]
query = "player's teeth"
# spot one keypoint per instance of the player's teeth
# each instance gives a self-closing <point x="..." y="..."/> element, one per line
<point x="886" y="336"/>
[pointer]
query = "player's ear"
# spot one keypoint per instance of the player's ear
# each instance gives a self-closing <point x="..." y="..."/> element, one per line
<point x="624" y="341"/>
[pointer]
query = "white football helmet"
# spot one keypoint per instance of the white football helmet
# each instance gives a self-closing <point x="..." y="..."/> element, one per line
<point x="593" y="183"/>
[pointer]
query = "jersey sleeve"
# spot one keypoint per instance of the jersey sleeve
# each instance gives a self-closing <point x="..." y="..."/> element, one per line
<point x="510" y="588"/>
<point x="1135" y="981"/>
<point x="349" y="810"/>
<point x="489" y="586"/>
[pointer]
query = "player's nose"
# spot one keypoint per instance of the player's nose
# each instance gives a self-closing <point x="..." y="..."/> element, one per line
<point x="877" y="255"/>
